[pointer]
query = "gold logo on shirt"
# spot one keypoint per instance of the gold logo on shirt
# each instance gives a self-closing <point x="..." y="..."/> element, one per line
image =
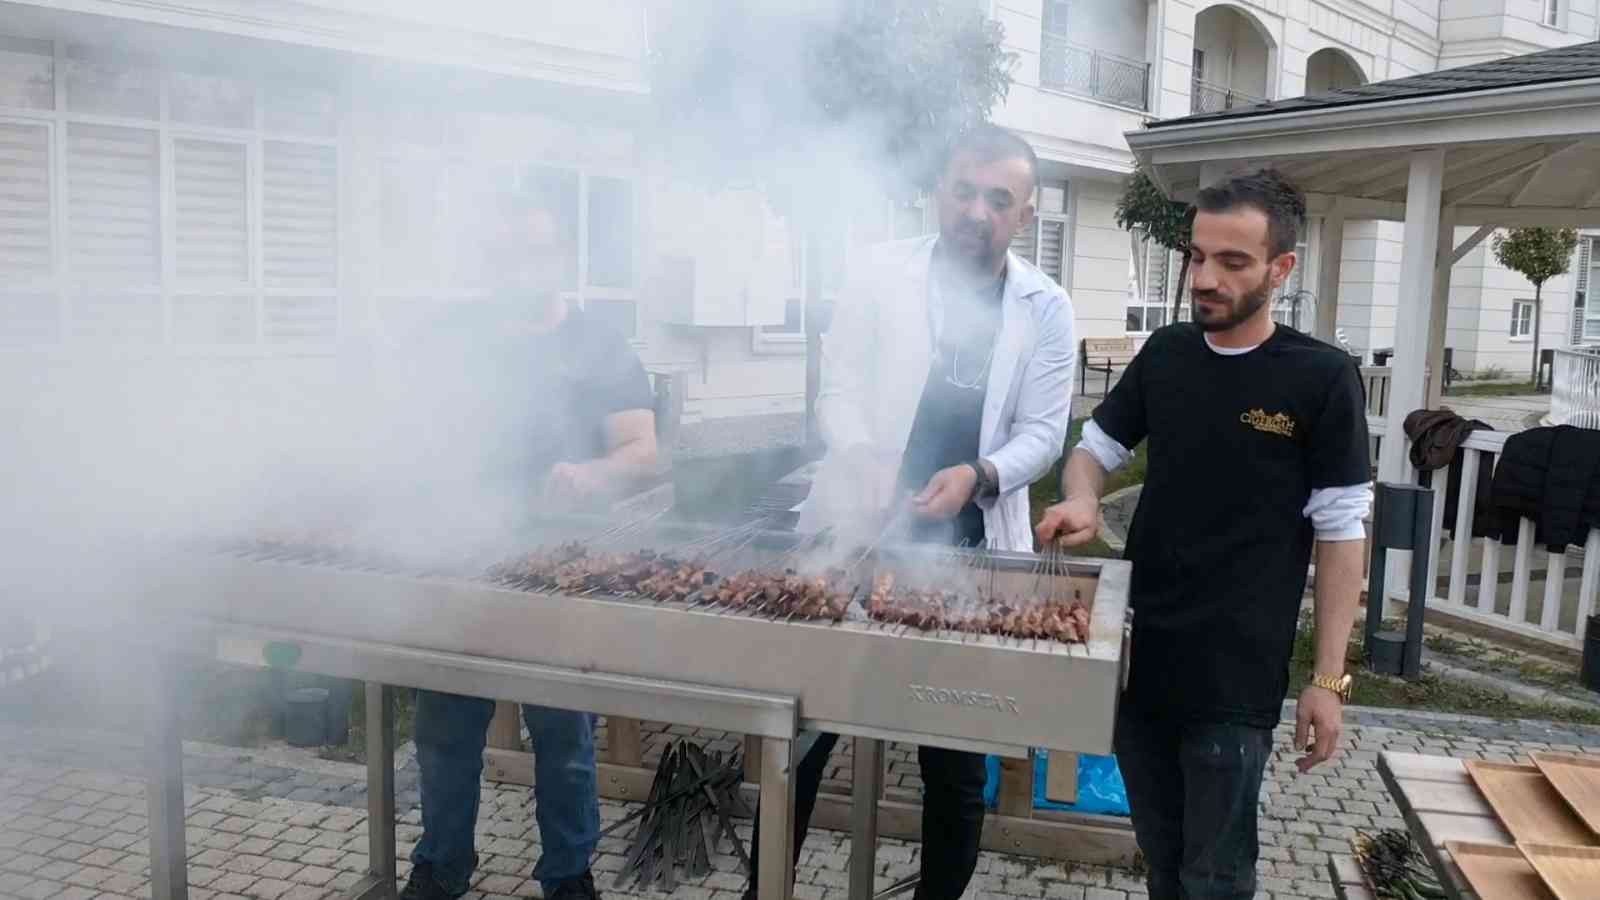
<point x="1272" y="423"/>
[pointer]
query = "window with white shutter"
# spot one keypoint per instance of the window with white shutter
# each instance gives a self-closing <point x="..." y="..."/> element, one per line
<point x="1589" y="266"/>
<point x="213" y="238"/>
<point x="114" y="232"/>
<point x="114" y="204"/>
<point x="1047" y="242"/>
<point x="299" y="241"/>
<point x="25" y="244"/>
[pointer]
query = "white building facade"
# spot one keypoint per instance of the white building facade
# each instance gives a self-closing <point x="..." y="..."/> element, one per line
<point x="266" y="180"/>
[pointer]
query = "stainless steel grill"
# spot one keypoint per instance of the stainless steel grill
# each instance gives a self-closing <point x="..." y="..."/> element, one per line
<point x="360" y="615"/>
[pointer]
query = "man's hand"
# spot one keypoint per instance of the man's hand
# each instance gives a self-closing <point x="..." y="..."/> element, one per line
<point x="574" y="482"/>
<point x="1318" y="715"/>
<point x="947" y="491"/>
<point x="1071" y="522"/>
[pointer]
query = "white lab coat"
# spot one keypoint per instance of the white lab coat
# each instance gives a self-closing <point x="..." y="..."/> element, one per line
<point x="875" y="360"/>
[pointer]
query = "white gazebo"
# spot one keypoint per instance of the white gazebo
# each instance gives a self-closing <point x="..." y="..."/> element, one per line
<point x="1513" y="142"/>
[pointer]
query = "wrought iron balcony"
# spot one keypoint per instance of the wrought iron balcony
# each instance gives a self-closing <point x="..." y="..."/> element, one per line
<point x="1063" y="66"/>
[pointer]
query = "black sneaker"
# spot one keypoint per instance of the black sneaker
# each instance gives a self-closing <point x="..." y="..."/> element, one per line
<point x="421" y="886"/>
<point x="580" y="888"/>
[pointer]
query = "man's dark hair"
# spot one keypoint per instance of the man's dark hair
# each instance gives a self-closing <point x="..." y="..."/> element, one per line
<point x="990" y="143"/>
<point x="1268" y="191"/>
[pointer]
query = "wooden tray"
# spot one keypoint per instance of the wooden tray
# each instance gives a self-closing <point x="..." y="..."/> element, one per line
<point x="1577" y="779"/>
<point x="1527" y="804"/>
<point x="1495" y="871"/>
<point x="1571" y="873"/>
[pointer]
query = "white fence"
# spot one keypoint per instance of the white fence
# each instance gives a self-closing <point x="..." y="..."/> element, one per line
<point x="1575" y="389"/>
<point x="1547" y="596"/>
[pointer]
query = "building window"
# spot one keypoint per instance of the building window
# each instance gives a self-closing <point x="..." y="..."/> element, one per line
<point x="1151" y="286"/>
<point x="436" y="207"/>
<point x="1048" y="243"/>
<point x="1293" y="304"/>
<point x="1589" y="279"/>
<point x="1521" y="319"/>
<point x="831" y="263"/>
<point x="152" y="205"/>
<point x="1552" y="13"/>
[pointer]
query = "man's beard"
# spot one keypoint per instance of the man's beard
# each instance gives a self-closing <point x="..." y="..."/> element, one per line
<point x="1238" y="311"/>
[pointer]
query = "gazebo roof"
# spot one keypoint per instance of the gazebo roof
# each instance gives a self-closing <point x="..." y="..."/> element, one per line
<point x="1574" y="63"/>
<point x="1521" y="138"/>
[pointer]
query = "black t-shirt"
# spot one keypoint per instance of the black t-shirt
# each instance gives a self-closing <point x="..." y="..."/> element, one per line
<point x="519" y="403"/>
<point x="948" y="426"/>
<point x="1220" y="543"/>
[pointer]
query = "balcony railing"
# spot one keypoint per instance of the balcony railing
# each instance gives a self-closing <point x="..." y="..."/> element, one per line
<point x="1575" y="388"/>
<point x="1206" y="97"/>
<point x="1064" y="66"/>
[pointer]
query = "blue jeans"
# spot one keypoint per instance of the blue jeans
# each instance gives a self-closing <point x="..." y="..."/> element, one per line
<point x="450" y="735"/>
<point x="1193" y="788"/>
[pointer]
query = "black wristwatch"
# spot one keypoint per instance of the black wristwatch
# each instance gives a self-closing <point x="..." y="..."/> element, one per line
<point x="986" y="486"/>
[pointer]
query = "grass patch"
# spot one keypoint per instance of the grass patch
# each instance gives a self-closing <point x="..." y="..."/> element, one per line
<point x="1427" y="693"/>
<point x="1490" y="389"/>
<point x="1047" y="490"/>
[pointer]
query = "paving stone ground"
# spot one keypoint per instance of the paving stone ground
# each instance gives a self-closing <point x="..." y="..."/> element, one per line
<point x="72" y="820"/>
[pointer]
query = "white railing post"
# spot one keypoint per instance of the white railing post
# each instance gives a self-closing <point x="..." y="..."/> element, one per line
<point x="1461" y="541"/>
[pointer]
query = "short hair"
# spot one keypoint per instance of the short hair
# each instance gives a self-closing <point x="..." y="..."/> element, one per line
<point x="1268" y="191"/>
<point x="990" y="143"/>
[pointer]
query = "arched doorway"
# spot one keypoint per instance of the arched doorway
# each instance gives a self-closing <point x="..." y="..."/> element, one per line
<point x="1235" y="60"/>
<point x="1331" y="69"/>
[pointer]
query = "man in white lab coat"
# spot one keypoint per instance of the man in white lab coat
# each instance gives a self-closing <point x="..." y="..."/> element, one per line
<point x="947" y="389"/>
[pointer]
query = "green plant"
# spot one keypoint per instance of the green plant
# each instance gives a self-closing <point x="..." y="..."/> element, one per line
<point x="1396" y="867"/>
<point x="1143" y="207"/>
<point x="1537" y="254"/>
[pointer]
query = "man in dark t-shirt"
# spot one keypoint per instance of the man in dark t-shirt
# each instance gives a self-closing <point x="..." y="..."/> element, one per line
<point x="1257" y="453"/>
<point x="540" y="404"/>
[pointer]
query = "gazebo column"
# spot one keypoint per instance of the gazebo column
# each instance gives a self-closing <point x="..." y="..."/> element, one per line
<point x="1414" y="311"/>
<point x="1330" y="254"/>
<point x="1440" y="312"/>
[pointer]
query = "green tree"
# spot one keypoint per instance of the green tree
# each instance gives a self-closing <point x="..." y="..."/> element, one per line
<point x="1537" y="254"/>
<point x="796" y="97"/>
<point x="1144" y="207"/>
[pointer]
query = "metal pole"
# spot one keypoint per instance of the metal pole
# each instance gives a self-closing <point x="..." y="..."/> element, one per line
<point x="865" y="788"/>
<point x="1376" y="596"/>
<point x="169" y="877"/>
<point x="1421" y="590"/>
<point x="380" y="880"/>
<point x="777" y="821"/>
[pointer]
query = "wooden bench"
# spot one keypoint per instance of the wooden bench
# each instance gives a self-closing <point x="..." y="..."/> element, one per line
<point x="1105" y="355"/>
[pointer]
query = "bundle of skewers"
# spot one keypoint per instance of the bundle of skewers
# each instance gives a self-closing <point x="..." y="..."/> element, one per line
<point x="690" y="810"/>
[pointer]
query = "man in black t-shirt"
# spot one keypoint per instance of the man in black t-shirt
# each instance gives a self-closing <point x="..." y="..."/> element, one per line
<point x="1257" y="453"/>
<point x="543" y="406"/>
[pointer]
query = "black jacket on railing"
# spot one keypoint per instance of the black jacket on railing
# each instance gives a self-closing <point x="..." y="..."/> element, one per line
<point x="1552" y="476"/>
<point x="1436" y="437"/>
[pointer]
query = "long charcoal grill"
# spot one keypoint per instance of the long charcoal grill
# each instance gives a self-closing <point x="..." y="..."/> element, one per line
<point x="688" y="662"/>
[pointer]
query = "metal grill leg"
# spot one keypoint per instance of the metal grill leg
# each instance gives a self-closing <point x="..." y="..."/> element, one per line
<point x="865" y="788"/>
<point x="380" y="881"/>
<point x="777" y="821"/>
<point x="169" y="876"/>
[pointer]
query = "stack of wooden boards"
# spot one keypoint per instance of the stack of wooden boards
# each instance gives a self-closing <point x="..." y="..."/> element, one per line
<point x="1551" y="809"/>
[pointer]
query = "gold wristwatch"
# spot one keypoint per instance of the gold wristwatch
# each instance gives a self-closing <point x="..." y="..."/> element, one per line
<point x="1339" y="684"/>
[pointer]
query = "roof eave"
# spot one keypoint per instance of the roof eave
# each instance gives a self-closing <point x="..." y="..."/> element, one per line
<point x="1525" y="112"/>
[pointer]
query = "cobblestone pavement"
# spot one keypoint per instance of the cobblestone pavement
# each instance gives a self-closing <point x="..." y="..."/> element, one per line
<point x="283" y="827"/>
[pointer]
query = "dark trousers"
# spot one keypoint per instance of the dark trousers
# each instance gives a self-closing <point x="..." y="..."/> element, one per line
<point x="952" y="814"/>
<point x="1193" y="789"/>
